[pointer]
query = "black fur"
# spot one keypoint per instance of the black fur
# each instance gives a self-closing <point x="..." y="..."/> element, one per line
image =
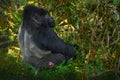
<point x="30" y="11"/>
<point x="42" y="34"/>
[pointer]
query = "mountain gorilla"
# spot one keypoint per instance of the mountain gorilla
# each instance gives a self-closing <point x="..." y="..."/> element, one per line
<point x="39" y="44"/>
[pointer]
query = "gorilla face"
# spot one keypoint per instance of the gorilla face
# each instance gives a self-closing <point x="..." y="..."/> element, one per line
<point x="50" y="20"/>
<point x="38" y="17"/>
<point x="44" y="20"/>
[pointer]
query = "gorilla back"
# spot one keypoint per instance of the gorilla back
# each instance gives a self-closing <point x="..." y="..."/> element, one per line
<point x="39" y="44"/>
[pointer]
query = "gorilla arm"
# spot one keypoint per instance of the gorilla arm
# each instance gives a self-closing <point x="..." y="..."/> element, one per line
<point x="50" y="41"/>
<point x="63" y="48"/>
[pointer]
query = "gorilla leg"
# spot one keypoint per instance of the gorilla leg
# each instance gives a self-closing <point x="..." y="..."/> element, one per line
<point x="46" y="61"/>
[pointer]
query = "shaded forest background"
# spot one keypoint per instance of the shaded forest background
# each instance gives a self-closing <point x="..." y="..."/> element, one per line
<point x="93" y="25"/>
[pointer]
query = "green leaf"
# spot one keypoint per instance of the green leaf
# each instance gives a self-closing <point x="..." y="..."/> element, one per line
<point x="12" y="38"/>
<point x="115" y="2"/>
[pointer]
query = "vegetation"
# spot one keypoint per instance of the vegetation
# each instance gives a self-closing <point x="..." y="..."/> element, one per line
<point x="93" y="25"/>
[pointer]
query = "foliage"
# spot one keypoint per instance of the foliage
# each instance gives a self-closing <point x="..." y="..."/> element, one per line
<point x="94" y="25"/>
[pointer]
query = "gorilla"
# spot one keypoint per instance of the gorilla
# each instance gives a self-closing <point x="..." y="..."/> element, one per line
<point x="39" y="44"/>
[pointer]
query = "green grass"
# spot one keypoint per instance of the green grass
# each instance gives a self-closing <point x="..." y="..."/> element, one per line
<point x="11" y="68"/>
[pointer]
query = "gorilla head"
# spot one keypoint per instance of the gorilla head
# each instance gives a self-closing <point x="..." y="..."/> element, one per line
<point x="39" y="44"/>
<point x="37" y="17"/>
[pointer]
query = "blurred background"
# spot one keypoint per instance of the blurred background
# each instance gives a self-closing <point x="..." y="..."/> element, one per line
<point x="92" y="25"/>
